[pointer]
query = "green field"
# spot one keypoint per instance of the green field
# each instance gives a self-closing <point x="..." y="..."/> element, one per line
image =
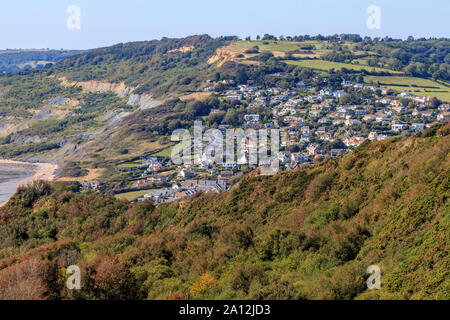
<point x="416" y="86"/>
<point x="165" y="153"/>
<point x="129" y="165"/>
<point x="320" y="47"/>
<point x="328" y="65"/>
<point x="283" y="46"/>
<point x="130" y="196"/>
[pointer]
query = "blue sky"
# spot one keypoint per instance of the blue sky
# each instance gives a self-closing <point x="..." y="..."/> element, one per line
<point x="42" y="23"/>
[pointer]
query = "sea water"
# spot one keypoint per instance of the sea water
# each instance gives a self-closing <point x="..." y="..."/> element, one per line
<point x="10" y="178"/>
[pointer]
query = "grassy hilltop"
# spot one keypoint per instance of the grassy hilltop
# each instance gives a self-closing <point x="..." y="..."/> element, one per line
<point x="305" y="234"/>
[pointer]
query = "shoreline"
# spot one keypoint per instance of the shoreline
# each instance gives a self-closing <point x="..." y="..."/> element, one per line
<point x="41" y="171"/>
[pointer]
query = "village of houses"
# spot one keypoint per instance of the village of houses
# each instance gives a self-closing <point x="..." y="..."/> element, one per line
<point x="314" y="126"/>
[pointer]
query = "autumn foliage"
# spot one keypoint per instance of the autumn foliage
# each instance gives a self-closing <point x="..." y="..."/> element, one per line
<point x="304" y="234"/>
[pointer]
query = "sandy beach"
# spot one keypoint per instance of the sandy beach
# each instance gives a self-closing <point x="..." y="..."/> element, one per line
<point x="41" y="171"/>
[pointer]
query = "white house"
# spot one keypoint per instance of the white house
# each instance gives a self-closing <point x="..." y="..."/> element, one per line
<point x="398" y="126"/>
<point x="339" y="94"/>
<point x="417" y="126"/>
<point x="251" y="117"/>
<point x="405" y="94"/>
<point x="300" y="85"/>
<point x="346" y="83"/>
<point x="185" y="174"/>
<point x="326" y="92"/>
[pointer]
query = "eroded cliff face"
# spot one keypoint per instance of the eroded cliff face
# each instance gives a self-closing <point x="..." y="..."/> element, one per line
<point x="144" y="101"/>
<point x="232" y="53"/>
<point x="8" y="125"/>
<point x="97" y="86"/>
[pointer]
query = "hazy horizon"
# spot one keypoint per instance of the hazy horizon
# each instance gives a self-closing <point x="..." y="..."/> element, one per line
<point x="242" y="38"/>
<point x="44" y="25"/>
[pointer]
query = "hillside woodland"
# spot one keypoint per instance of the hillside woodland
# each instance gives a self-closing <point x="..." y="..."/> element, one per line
<point x="304" y="234"/>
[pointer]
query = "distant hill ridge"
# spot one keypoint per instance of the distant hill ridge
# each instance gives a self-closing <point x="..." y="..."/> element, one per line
<point x="24" y="59"/>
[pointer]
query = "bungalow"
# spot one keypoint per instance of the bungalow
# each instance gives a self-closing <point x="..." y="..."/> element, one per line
<point x="326" y="137"/>
<point x="339" y="94"/>
<point x="284" y="157"/>
<point x="327" y="102"/>
<point x="296" y="123"/>
<point x="353" y="141"/>
<point x="314" y="98"/>
<point x="206" y="165"/>
<point x="305" y="138"/>
<point x="209" y="89"/>
<point x="338" y="122"/>
<point x="299" y="157"/>
<point x="215" y="111"/>
<point x="417" y="127"/>
<point x="154" y="167"/>
<point x="247" y="88"/>
<point x="305" y="130"/>
<point x="337" y="152"/>
<point x="399" y="109"/>
<point x="313" y="149"/>
<point x="204" y="185"/>
<point x="229" y="166"/>
<point x="398" y="126"/>
<point x="158" y="178"/>
<point x="427" y="114"/>
<point x="382" y="118"/>
<point x="92" y="185"/>
<point x="315" y="113"/>
<point x="251" y="117"/>
<point x="346" y="83"/>
<point x="387" y="91"/>
<point x="444" y="107"/>
<point x="405" y="94"/>
<point x="226" y="174"/>
<point x="343" y="109"/>
<point x="422" y="99"/>
<point x="373" y="136"/>
<point x="321" y="130"/>
<point x="384" y="101"/>
<point x="185" y="174"/>
<point x="300" y="85"/>
<point x="275" y="90"/>
<point x="292" y="131"/>
<point x="334" y="115"/>
<point x="444" y="116"/>
<point x="352" y="122"/>
<point x="140" y="183"/>
<point x="372" y="88"/>
<point x="235" y="97"/>
<point x="326" y="92"/>
<point x="295" y="102"/>
<point x="382" y="137"/>
<point x="157" y="195"/>
<point x="227" y="81"/>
